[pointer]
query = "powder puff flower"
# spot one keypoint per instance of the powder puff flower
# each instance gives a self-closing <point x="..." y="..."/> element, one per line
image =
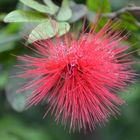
<point x="78" y="77"/>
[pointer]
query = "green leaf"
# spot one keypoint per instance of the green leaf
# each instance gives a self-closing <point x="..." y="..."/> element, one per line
<point x="91" y="16"/>
<point x="47" y="30"/>
<point x="51" y="5"/>
<point x="78" y="11"/>
<point x="37" y="6"/>
<point x="65" y="13"/>
<point x="132" y="93"/>
<point x="7" y="42"/>
<point x="128" y="21"/>
<point x="63" y="27"/>
<point x="24" y="16"/>
<point x="16" y="100"/>
<point x="3" y="78"/>
<point x="11" y="28"/>
<point x="100" y="6"/>
<point x="2" y="15"/>
<point x="43" y="31"/>
<point x="14" y="128"/>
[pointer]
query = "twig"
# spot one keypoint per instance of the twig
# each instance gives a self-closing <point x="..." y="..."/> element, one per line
<point x="120" y="11"/>
<point x="116" y="14"/>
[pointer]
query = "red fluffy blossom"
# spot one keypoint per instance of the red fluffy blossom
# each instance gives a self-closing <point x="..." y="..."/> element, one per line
<point x="79" y="77"/>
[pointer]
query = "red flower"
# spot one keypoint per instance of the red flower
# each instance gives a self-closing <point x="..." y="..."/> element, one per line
<point x="79" y="77"/>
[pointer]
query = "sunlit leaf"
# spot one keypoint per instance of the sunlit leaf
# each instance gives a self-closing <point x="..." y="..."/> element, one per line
<point x="48" y="30"/>
<point x="24" y="16"/>
<point x="54" y="8"/>
<point x="37" y="6"/>
<point x="63" y="27"/>
<point x="65" y="13"/>
<point x="43" y="31"/>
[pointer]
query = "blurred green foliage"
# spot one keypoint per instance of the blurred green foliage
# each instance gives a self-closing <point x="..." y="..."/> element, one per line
<point x="94" y="5"/>
<point x="16" y="124"/>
